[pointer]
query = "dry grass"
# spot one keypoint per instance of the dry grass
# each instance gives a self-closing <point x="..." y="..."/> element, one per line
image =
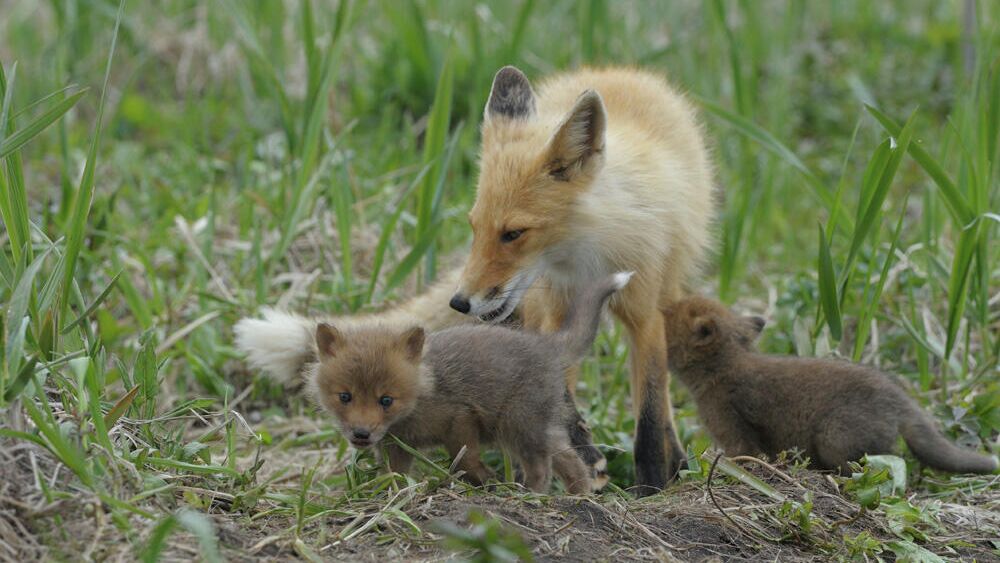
<point x="683" y="524"/>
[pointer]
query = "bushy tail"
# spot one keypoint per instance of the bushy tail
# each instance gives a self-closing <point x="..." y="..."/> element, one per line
<point x="933" y="449"/>
<point x="584" y="316"/>
<point x="281" y="344"/>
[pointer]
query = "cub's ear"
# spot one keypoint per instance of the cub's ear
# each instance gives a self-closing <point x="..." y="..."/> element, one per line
<point x="705" y="331"/>
<point x="511" y="96"/>
<point x="413" y="343"/>
<point x="578" y="144"/>
<point x="329" y="340"/>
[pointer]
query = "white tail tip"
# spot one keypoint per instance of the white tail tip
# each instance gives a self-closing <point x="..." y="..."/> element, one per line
<point x="621" y="279"/>
<point x="278" y="344"/>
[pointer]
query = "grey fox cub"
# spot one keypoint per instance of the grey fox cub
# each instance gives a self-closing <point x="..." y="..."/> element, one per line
<point x="464" y="386"/>
<point x="836" y="411"/>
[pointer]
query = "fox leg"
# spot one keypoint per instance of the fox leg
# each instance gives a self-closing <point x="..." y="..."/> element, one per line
<point x="658" y="452"/>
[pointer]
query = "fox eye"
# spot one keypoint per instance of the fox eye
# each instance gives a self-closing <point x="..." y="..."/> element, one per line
<point x="385" y="401"/>
<point x="511" y="236"/>
<point x="345" y="398"/>
<point x="560" y="173"/>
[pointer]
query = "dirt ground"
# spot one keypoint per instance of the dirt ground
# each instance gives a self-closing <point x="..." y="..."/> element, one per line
<point x="682" y="524"/>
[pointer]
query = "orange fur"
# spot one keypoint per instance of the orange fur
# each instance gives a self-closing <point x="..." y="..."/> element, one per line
<point x="602" y="170"/>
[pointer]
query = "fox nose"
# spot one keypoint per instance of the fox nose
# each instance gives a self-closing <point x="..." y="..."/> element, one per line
<point x="460" y="303"/>
<point x="361" y="433"/>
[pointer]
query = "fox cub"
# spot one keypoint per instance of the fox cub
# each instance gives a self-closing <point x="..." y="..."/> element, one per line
<point x="833" y="410"/>
<point x="462" y="387"/>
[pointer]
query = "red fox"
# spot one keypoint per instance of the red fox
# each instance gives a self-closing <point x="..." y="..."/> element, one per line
<point x="465" y="386"/>
<point x="835" y="411"/>
<point x="599" y="171"/>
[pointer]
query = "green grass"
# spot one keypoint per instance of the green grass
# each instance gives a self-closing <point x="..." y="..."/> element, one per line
<point x="163" y="177"/>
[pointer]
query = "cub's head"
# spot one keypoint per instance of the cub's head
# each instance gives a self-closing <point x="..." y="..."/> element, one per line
<point x="532" y="169"/>
<point x="700" y="330"/>
<point x="368" y="377"/>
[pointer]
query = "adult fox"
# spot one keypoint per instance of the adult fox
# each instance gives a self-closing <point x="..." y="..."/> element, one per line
<point x="600" y="171"/>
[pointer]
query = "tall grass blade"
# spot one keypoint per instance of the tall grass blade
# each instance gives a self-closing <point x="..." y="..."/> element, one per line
<point x="958" y="282"/>
<point x="93" y="306"/>
<point x="13" y="196"/>
<point x="953" y="198"/>
<point x="772" y="144"/>
<point x="85" y="193"/>
<point x="388" y="228"/>
<point x="828" y="288"/>
<point x="871" y="307"/>
<point x="25" y="134"/>
<point x="6" y="97"/>
<point x="875" y="192"/>
<point x="403" y="269"/>
<point x="434" y="145"/>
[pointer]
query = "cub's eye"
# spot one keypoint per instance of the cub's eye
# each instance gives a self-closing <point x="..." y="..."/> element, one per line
<point x="385" y="401"/>
<point x="511" y="236"/>
<point x="345" y="398"/>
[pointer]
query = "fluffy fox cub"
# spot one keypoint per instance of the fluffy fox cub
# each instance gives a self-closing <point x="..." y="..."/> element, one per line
<point x="834" y="410"/>
<point x="464" y="387"/>
<point x="596" y="171"/>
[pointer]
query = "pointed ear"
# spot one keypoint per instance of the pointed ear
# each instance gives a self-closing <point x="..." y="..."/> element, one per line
<point x="329" y="340"/>
<point x="755" y="323"/>
<point x="413" y="343"/>
<point x="705" y="331"/>
<point x="578" y="144"/>
<point x="511" y="96"/>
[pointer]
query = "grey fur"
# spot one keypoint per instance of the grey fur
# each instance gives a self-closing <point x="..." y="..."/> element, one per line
<point x="835" y="411"/>
<point x="492" y="384"/>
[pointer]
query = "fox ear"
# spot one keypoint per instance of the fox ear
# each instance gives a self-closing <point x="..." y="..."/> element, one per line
<point x="413" y="343"/>
<point x="755" y="323"/>
<point x="511" y="96"/>
<point x="578" y="144"/>
<point x="329" y="340"/>
<point x="705" y="331"/>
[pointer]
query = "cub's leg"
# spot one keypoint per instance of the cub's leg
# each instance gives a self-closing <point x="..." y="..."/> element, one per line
<point x="543" y="310"/>
<point x="837" y="442"/>
<point x="399" y="459"/>
<point x="571" y="470"/>
<point x="538" y="473"/>
<point x="464" y="433"/>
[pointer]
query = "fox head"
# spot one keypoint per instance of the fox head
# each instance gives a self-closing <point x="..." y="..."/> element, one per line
<point x="368" y="378"/>
<point x="532" y="170"/>
<point x="699" y="330"/>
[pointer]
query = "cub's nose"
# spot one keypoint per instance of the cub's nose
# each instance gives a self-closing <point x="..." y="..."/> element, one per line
<point x="460" y="303"/>
<point x="361" y="434"/>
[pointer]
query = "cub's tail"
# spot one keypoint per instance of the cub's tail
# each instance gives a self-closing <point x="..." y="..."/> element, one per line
<point x="932" y="448"/>
<point x="281" y="344"/>
<point x="584" y="316"/>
